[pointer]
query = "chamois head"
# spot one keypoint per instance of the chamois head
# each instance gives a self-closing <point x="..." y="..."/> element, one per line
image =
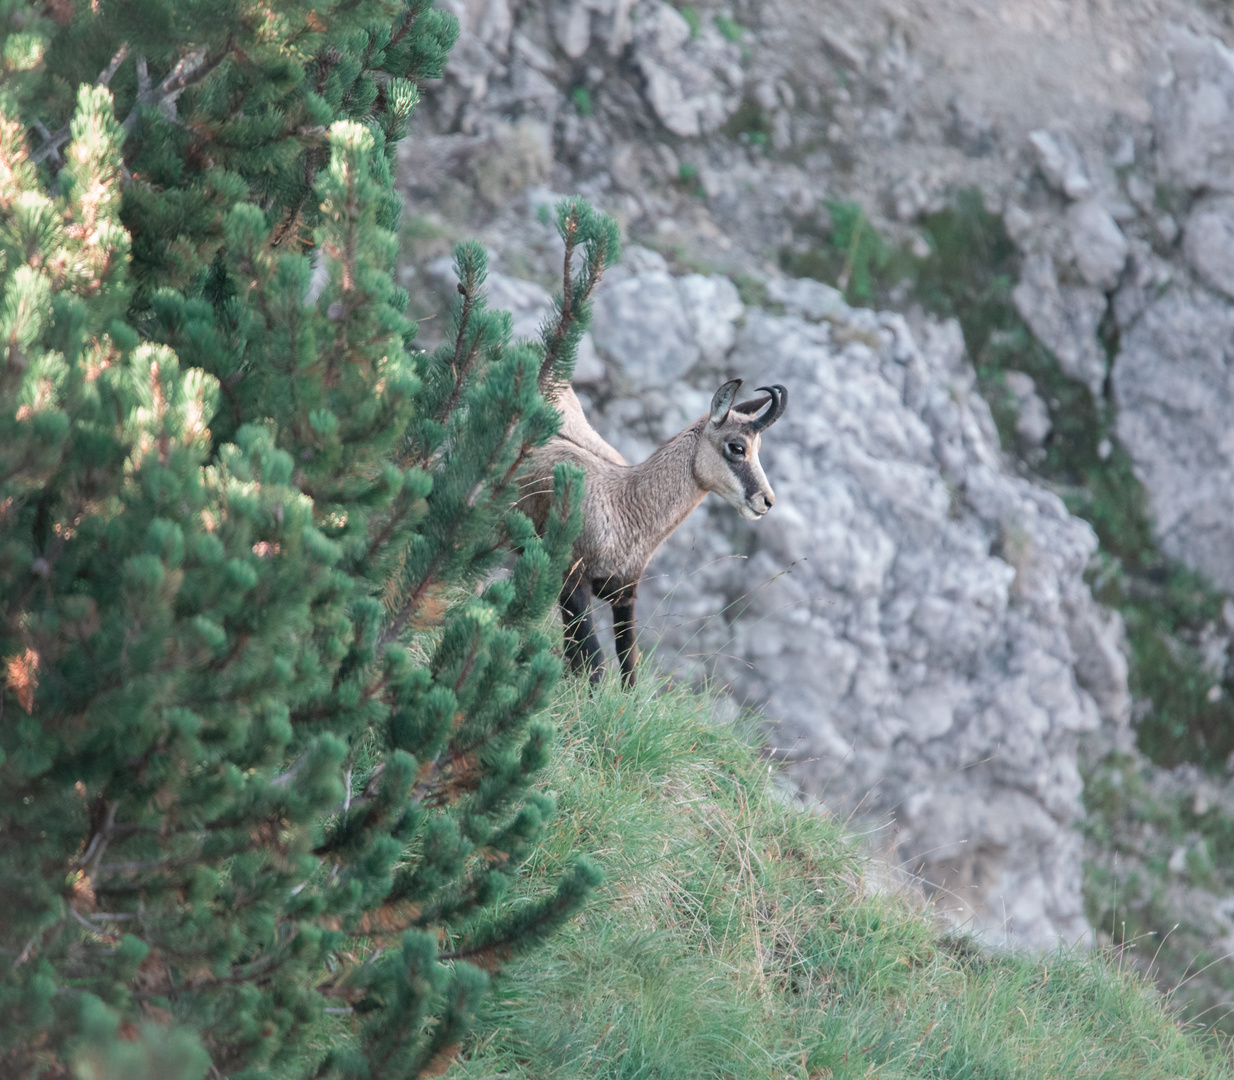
<point x="726" y="460"/>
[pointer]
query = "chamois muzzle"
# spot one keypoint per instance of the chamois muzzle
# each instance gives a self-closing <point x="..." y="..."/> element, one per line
<point x="778" y="397"/>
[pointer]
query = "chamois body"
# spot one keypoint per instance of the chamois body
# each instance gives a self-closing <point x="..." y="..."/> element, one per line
<point x="630" y="510"/>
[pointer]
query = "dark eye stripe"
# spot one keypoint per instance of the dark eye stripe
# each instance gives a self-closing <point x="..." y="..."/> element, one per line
<point x="745" y="473"/>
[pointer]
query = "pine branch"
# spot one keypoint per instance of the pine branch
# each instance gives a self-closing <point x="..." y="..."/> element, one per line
<point x="189" y="69"/>
<point x="410" y="605"/>
<point x="53" y="143"/>
<point x="577" y="223"/>
<point x="524" y="928"/>
<point x="409" y="21"/>
<point x="460" y="365"/>
<point x="565" y="318"/>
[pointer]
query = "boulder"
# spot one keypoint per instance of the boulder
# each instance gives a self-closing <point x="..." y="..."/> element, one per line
<point x="1193" y="113"/>
<point x="1099" y="246"/>
<point x="713" y="306"/>
<point x="693" y="83"/>
<point x="1060" y="162"/>
<point x="1173" y="383"/>
<point x="1064" y="319"/>
<point x="1208" y="242"/>
<point x="809" y="299"/>
<point x="645" y="330"/>
<point x="1032" y="423"/>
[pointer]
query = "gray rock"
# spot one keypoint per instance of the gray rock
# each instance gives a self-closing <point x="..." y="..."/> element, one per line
<point x="1146" y="278"/>
<point x="844" y="50"/>
<point x="693" y="84"/>
<point x="1098" y="243"/>
<point x="528" y="52"/>
<point x="1018" y="222"/>
<point x="572" y="27"/>
<point x="1061" y="163"/>
<point x="495" y="25"/>
<point x="1123" y="156"/>
<point x="713" y="306"/>
<point x="969" y="126"/>
<point x="637" y="260"/>
<point x="640" y="325"/>
<point x="1064" y="319"/>
<point x="1141" y="193"/>
<point x="1032" y="423"/>
<point x="655" y="327"/>
<point x="1173" y="382"/>
<point x="1099" y="639"/>
<point x="911" y="618"/>
<point x="1208" y="242"/>
<point x="809" y="299"/>
<point x="1194" y="115"/>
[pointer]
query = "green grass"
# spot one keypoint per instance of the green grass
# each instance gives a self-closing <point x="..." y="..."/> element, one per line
<point x="749" y="123"/>
<point x="730" y="28"/>
<point x="741" y="935"/>
<point x="1130" y="890"/>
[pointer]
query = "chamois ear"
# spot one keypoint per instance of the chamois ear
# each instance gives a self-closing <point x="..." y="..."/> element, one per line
<point x="723" y="401"/>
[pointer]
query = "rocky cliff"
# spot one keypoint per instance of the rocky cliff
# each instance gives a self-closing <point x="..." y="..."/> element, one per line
<point x="913" y="617"/>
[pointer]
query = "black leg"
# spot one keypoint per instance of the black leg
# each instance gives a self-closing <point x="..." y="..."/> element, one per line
<point x="582" y="645"/>
<point x="624" y="633"/>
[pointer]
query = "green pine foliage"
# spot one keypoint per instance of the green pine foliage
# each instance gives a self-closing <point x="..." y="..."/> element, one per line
<point x="269" y="714"/>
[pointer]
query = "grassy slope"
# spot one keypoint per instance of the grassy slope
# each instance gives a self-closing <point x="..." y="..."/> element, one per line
<point x="739" y="936"/>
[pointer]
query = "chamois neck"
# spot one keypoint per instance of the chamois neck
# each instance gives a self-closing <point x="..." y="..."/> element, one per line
<point x="661" y="492"/>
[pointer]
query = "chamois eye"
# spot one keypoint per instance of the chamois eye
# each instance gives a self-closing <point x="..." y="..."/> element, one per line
<point x="736" y="449"/>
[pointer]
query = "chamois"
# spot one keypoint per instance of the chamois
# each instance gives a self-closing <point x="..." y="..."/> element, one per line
<point x="630" y="510"/>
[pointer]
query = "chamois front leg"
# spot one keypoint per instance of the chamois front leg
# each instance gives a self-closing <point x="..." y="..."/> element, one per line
<point x="582" y="645"/>
<point x="624" y="634"/>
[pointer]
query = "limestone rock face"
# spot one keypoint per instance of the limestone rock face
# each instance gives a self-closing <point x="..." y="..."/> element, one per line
<point x="1065" y="319"/>
<point x="1032" y="423"/>
<point x="1208" y="242"/>
<point x="910" y="617"/>
<point x="693" y="81"/>
<point x="1174" y="386"/>
<point x="656" y="327"/>
<point x="1060" y="162"/>
<point x="1194" y="115"/>
<point x="1099" y="245"/>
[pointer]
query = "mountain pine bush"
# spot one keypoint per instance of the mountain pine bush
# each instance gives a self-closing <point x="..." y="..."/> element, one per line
<point x="268" y="723"/>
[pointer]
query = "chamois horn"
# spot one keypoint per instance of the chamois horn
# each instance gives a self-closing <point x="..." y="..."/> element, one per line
<point x="778" y="396"/>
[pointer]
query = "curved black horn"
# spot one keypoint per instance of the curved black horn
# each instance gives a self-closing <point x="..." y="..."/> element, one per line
<point x="779" y="399"/>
